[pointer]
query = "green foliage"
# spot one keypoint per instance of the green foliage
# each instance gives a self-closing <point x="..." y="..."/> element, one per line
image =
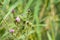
<point x="39" y="19"/>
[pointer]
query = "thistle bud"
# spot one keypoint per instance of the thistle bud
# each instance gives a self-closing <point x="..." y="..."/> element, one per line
<point x="13" y="11"/>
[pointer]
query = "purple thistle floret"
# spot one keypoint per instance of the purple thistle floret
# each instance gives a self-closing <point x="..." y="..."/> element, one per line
<point x="12" y="30"/>
<point x="17" y="19"/>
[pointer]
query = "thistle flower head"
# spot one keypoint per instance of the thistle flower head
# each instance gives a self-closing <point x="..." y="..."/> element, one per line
<point x="12" y="30"/>
<point x="17" y="19"/>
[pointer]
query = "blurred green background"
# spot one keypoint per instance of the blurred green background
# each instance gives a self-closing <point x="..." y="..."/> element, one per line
<point x="29" y="19"/>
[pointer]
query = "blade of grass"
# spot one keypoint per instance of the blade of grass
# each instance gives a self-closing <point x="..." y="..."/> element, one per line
<point x="36" y="11"/>
<point x="43" y="9"/>
<point x="6" y="2"/>
<point x="49" y="36"/>
<point x="53" y="14"/>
